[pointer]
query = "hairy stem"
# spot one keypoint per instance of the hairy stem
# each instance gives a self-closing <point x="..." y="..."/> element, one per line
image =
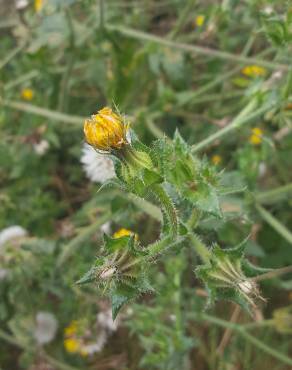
<point x="161" y="245"/>
<point x="168" y="208"/>
<point x="200" y="248"/>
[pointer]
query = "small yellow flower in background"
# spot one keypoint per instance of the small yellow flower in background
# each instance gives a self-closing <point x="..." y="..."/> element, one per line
<point x="72" y="345"/>
<point x="216" y="159"/>
<point x="124" y="232"/>
<point x="38" y="5"/>
<point x="254" y="71"/>
<point x="106" y="130"/>
<point x="27" y="94"/>
<point x="200" y="20"/>
<point x="71" y="329"/>
<point x="282" y="318"/>
<point x="256" y="137"/>
<point x="288" y="106"/>
<point x="83" y="352"/>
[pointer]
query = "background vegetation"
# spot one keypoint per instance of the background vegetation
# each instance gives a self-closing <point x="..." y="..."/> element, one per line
<point x="170" y="64"/>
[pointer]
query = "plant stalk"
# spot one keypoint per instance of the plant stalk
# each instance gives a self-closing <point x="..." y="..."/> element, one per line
<point x="243" y="117"/>
<point x="200" y="248"/>
<point x="275" y="224"/>
<point x="168" y="208"/>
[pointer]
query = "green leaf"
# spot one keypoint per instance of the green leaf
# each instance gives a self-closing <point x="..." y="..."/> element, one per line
<point x="210" y="203"/>
<point x="89" y="277"/>
<point x="119" y="299"/>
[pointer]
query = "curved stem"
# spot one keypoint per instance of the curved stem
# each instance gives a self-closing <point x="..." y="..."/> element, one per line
<point x="168" y="208"/>
<point x="200" y="248"/>
<point x="161" y="245"/>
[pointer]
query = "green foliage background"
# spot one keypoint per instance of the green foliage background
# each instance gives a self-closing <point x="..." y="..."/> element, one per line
<point x="156" y="64"/>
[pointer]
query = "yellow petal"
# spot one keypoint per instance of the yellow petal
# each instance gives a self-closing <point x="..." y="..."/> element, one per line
<point x="106" y="130"/>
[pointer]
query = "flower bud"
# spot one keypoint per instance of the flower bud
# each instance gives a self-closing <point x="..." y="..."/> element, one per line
<point x="120" y="263"/>
<point x="224" y="276"/>
<point x="106" y="130"/>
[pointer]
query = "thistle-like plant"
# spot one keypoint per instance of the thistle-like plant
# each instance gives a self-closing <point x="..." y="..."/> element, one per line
<point x="184" y="186"/>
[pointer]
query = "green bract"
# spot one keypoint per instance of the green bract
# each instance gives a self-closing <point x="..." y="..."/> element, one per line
<point x="119" y="271"/>
<point x="194" y="180"/>
<point x="228" y="275"/>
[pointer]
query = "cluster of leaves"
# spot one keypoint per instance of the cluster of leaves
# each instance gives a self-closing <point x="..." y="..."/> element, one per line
<point x="196" y="186"/>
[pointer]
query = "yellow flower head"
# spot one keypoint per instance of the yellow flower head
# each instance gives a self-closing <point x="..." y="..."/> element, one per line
<point x="71" y="329"/>
<point x="282" y="318"/>
<point x="254" y="71"/>
<point x="38" y="5"/>
<point x="27" y="94"/>
<point x="106" y="130"/>
<point x="256" y="137"/>
<point x="72" y="345"/>
<point x="200" y="20"/>
<point x="83" y="351"/>
<point x="216" y="159"/>
<point x="124" y="232"/>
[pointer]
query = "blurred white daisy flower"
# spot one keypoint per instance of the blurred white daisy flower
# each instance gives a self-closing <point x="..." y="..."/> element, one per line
<point x="3" y="274"/>
<point x="41" y="147"/>
<point x="11" y="233"/>
<point x="46" y="327"/>
<point x="105" y="320"/>
<point x="21" y="4"/>
<point x="98" y="167"/>
<point x="106" y="228"/>
<point x="262" y="169"/>
<point x="97" y="345"/>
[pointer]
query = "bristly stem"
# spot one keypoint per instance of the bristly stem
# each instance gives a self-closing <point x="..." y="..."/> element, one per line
<point x="156" y="248"/>
<point x="200" y="247"/>
<point x="168" y="208"/>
